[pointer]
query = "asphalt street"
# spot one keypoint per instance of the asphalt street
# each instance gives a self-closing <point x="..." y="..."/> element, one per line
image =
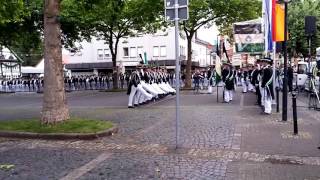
<point x="217" y="141"/>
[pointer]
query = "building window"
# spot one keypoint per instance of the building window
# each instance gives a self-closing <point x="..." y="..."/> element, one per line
<point x="125" y="52"/>
<point x="163" y="51"/>
<point x="106" y="53"/>
<point x="133" y="52"/>
<point x="155" y="51"/>
<point x="140" y="50"/>
<point x="100" y="54"/>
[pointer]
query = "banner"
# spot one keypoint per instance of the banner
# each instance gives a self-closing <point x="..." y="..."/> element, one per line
<point x="249" y="37"/>
<point x="249" y="48"/>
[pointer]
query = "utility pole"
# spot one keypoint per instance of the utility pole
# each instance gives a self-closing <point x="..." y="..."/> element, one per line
<point x="285" y="68"/>
<point x="177" y="10"/>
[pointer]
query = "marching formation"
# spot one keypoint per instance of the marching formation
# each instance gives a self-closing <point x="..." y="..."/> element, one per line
<point x="21" y="85"/>
<point x="148" y="84"/>
<point x="257" y="79"/>
<point x="72" y="83"/>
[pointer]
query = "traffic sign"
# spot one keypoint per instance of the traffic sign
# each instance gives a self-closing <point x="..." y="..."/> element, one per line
<point x="183" y="14"/>
<point x="170" y="3"/>
<point x="183" y="10"/>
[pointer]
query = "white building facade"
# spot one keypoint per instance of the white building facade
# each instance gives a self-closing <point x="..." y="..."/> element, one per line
<point x="158" y="49"/>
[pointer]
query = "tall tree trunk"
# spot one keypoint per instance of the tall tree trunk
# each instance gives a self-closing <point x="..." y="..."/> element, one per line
<point x="115" y="73"/>
<point x="114" y="52"/>
<point x="55" y="108"/>
<point x="189" y="62"/>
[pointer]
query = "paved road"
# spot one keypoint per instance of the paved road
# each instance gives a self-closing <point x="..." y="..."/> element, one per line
<point x="218" y="141"/>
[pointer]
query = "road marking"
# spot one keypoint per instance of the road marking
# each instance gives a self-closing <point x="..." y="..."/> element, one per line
<point x="77" y="173"/>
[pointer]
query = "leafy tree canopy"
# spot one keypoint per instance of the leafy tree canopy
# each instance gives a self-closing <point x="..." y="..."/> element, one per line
<point x="220" y="12"/>
<point x="298" y="42"/>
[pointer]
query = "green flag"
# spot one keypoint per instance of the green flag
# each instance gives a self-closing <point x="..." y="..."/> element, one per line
<point x="145" y="58"/>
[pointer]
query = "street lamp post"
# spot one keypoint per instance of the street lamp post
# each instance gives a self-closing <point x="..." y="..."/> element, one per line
<point x="285" y="69"/>
<point x="177" y="10"/>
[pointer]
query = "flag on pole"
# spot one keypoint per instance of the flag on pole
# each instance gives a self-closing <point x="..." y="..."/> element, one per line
<point x="145" y="58"/>
<point x="218" y="63"/>
<point x="278" y="18"/>
<point x="225" y="53"/>
<point x="267" y="7"/>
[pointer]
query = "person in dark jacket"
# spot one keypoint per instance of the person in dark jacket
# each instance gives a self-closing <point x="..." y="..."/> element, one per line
<point x="267" y="85"/>
<point x="228" y="75"/>
<point x="256" y="75"/>
<point x="210" y="74"/>
<point x="244" y="80"/>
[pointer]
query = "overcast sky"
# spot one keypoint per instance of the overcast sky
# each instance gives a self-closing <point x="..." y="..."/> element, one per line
<point x="209" y="35"/>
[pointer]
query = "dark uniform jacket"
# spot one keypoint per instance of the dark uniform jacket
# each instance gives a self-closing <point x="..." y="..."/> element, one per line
<point x="254" y="79"/>
<point x="134" y="81"/>
<point x="228" y="78"/>
<point x="267" y="81"/>
<point x="245" y="75"/>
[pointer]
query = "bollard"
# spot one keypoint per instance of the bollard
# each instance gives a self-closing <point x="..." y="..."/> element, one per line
<point x="277" y="99"/>
<point x="295" y="116"/>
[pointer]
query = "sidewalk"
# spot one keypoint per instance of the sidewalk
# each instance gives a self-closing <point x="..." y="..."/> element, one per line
<point x="217" y="141"/>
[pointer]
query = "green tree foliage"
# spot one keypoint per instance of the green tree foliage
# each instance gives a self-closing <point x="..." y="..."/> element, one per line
<point x="220" y="12"/>
<point x="297" y="10"/>
<point x="250" y="9"/>
<point x="11" y="11"/>
<point x="22" y="31"/>
<point x="112" y="20"/>
<point x="19" y="29"/>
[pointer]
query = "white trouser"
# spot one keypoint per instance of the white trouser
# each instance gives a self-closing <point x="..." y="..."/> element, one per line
<point x="210" y="89"/>
<point x="153" y="90"/>
<point x="149" y="88"/>
<point x="244" y="85"/>
<point x="239" y="82"/>
<point x="228" y="95"/>
<point x="163" y="88"/>
<point x="157" y="88"/>
<point x="250" y="86"/>
<point x="143" y="94"/>
<point x="142" y="98"/>
<point x="136" y="97"/>
<point x="267" y="102"/>
<point x="169" y="87"/>
<point x="262" y="92"/>
<point x="132" y="94"/>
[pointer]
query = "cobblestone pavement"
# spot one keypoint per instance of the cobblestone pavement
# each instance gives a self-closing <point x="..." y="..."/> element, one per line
<point x="217" y="141"/>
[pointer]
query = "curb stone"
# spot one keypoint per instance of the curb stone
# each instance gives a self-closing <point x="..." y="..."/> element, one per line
<point x="59" y="136"/>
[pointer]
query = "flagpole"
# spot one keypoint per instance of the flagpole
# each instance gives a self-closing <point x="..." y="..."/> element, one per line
<point x="274" y="66"/>
<point x="217" y="56"/>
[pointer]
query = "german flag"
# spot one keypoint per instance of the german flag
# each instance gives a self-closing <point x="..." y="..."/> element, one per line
<point x="278" y="24"/>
